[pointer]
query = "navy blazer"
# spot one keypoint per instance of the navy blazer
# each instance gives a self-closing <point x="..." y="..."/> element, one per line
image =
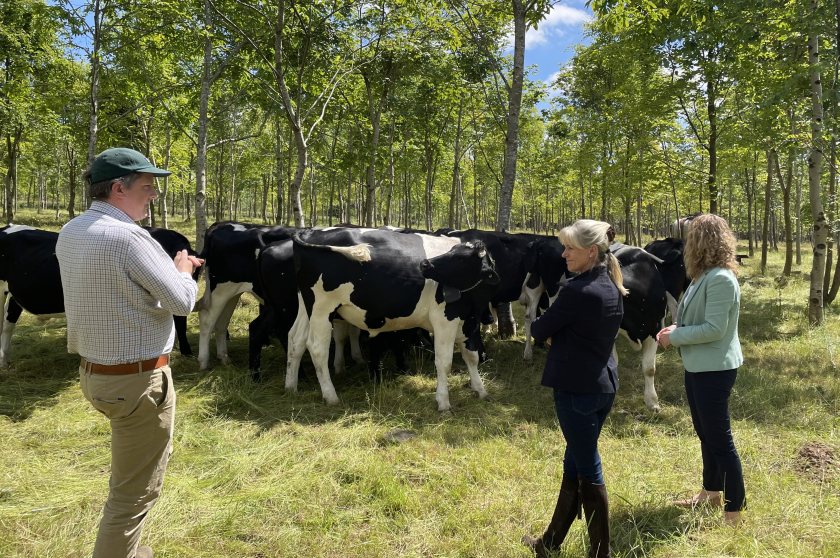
<point x="583" y="323"/>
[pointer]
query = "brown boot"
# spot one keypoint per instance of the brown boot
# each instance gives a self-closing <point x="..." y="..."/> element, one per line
<point x="565" y="511"/>
<point x="596" y="508"/>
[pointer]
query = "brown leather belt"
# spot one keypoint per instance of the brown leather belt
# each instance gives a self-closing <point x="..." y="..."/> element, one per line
<point x="128" y="368"/>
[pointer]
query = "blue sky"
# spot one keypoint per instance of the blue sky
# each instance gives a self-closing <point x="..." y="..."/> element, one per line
<point x="552" y="44"/>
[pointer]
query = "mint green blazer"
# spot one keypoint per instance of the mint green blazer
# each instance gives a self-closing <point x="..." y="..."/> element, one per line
<point x="707" y="323"/>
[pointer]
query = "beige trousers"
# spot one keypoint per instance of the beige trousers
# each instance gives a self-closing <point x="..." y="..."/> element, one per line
<point x="141" y="408"/>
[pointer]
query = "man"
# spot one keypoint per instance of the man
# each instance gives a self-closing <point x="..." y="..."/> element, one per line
<point x="120" y="293"/>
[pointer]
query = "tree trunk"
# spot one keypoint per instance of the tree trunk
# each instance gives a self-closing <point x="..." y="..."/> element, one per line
<point x="785" y="186"/>
<point x="73" y="171"/>
<point x="201" y="148"/>
<point x="815" y="297"/>
<point x="12" y="152"/>
<point x="711" y="109"/>
<point x="514" y="107"/>
<point x="765" y="232"/>
<point x="456" y="170"/>
<point x="164" y="208"/>
<point x="93" y="127"/>
<point x="292" y="116"/>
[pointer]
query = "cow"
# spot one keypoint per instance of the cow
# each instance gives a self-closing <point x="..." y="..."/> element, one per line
<point x="383" y="281"/>
<point x="670" y="251"/>
<point x="679" y="227"/>
<point x="529" y="266"/>
<point x="230" y="252"/>
<point x="644" y="309"/>
<point x="30" y="278"/>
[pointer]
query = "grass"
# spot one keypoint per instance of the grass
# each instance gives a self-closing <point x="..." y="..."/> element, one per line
<point x="261" y="473"/>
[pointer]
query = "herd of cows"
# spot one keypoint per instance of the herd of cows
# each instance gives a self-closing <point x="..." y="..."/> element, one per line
<point x="321" y="285"/>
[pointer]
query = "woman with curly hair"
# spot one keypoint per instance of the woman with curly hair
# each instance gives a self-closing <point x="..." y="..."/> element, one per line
<point x="706" y="334"/>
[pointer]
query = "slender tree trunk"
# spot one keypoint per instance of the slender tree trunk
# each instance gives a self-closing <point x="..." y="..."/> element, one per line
<point x="93" y="126"/>
<point x="514" y="107"/>
<point x="164" y="209"/>
<point x="456" y="170"/>
<point x="815" y="297"/>
<point x="13" y="152"/>
<point x="713" y="134"/>
<point x="201" y="148"/>
<point x="73" y="171"/>
<point x="765" y="232"/>
<point x="785" y="186"/>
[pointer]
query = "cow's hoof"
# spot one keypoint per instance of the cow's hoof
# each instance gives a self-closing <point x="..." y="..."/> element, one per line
<point x="528" y="355"/>
<point x="331" y="401"/>
<point x="481" y="394"/>
<point x="444" y="406"/>
<point x="291" y="388"/>
<point x="224" y="359"/>
<point x="203" y="364"/>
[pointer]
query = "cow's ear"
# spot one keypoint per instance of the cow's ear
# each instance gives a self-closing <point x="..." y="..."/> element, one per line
<point x="451" y="294"/>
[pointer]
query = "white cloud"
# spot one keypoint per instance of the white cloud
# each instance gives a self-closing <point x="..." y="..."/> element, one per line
<point x="554" y="25"/>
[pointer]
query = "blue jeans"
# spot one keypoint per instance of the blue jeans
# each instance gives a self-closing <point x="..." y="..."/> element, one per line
<point x="581" y="416"/>
<point x="708" y="399"/>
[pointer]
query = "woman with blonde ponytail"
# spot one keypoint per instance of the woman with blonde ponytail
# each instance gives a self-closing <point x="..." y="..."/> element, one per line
<point x="580" y="330"/>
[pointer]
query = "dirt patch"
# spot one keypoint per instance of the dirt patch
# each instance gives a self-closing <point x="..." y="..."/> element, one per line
<point x="817" y="460"/>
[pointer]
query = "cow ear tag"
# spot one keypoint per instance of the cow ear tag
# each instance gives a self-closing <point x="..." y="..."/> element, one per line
<point x="451" y="294"/>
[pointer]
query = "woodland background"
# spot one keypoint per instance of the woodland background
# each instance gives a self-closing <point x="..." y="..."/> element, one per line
<point x="422" y="114"/>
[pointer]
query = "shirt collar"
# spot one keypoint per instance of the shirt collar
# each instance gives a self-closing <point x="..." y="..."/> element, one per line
<point x="110" y="210"/>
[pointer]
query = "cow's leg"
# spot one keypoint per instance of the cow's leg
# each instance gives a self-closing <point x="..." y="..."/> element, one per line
<point x="672" y="308"/>
<point x="211" y="307"/>
<point x="318" y="344"/>
<point x="221" y="329"/>
<point x="649" y="370"/>
<point x="355" y="348"/>
<point x="444" y="339"/>
<point x="340" y="332"/>
<point x="296" y="345"/>
<point x="530" y="299"/>
<point x="10" y="317"/>
<point x="471" y="360"/>
<point x="181" y="333"/>
<point x="258" y="337"/>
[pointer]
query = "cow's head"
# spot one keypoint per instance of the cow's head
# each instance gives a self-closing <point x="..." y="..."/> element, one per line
<point x="463" y="268"/>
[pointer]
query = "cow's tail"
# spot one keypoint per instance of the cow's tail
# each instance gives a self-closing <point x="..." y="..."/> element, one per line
<point x="356" y="252"/>
<point x="204" y="301"/>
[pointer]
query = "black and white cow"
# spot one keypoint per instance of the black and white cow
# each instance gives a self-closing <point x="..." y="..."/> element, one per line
<point x="644" y="309"/>
<point x="30" y="278"/>
<point x="380" y="281"/>
<point x="230" y="252"/>
<point x="521" y="276"/>
<point x="670" y="251"/>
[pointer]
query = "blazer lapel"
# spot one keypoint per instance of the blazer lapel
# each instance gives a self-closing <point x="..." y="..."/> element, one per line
<point x="690" y="296"/>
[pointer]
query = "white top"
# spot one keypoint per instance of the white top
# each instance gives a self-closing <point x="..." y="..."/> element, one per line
<point x="120" y="288"/>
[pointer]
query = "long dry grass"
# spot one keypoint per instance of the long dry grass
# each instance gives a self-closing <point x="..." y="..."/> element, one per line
<point x="258" y="472"/>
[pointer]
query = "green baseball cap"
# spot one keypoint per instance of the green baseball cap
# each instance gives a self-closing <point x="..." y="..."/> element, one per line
<point x="121" y="161"/>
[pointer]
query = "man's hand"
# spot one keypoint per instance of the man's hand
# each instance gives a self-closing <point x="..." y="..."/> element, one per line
<point x="664" y="336"/>
<point x="186" y="263"/>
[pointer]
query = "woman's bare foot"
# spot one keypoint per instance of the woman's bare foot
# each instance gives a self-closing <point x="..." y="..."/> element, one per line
<point x="732" y="519"/>
<point x="709" y="497"/>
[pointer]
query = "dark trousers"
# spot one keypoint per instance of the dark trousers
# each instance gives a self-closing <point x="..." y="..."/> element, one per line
<point x="581" y="416"/>
<point x="708" y="399"/>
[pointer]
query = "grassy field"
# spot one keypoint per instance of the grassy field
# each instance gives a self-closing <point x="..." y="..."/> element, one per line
<point x="260" y="473"/>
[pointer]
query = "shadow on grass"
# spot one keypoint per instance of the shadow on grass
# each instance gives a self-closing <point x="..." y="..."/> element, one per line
<point x="771" y="389"/>
<point x="640" y="529"/>
<point x="39" y="369"/>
